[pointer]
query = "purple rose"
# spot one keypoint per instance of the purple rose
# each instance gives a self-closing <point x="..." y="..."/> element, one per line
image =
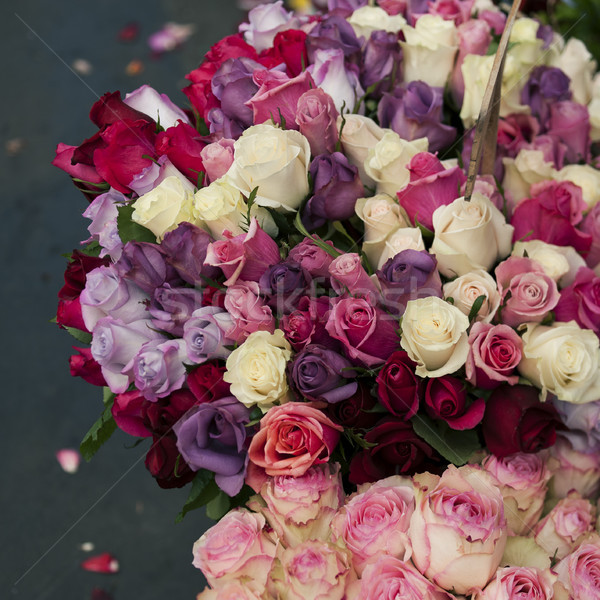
<point x="380" y="54"/>
<point x="158" y="368"/>
<point x="345" y="7"/>
<point x="211" y="436"/>
<point x="316" y="117"/>
<point x="591" y="226"/>
<point x="545" y="86"/>
<point x="321" y="374"/>
<point x="144" y="264"/>
<point x="333" y="32"/>
<point x="283" y="284"/>
<point x="583" y="423"/>
<point x="312" y="258"/>
<point x="103" y="229"/>
<point x="185" y="250"/>
<point x="409" y="275"/>
<point x="204" y="334"/>
<point x="108" y="294"/>
<point x="337" y="186"/>
<point x="570" y="123"/>
<point x="414" y="110"/>
<point x="171" y="307"/>
<point x="115" y="343"/>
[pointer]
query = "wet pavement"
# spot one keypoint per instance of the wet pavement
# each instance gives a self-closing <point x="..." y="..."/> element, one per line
<point x="112" y="502"/>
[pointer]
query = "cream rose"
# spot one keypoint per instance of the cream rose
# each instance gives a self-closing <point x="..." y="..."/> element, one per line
<point x="434" y="334"/>
<point x="577" y="62"/>
<point x="256" y="369"/>
<point x="464" y="290"/>
<point x="366" y="19"/>
<point x="386" y="163"/>
<point x="586" y="177"/>
<point x="476" y="71"/>
<point x="562" y="359"/>
<point x="429" y="50"/>
<point x="520" y="173"/>
<point x="162" y="209"/>
<point x="469" y="236"/>
<point x="274" y="160"/>
<point x="405" y="238"/>
<point x="594" y="111"/>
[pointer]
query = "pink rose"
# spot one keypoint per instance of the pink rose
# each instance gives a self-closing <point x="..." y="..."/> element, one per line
<point x="527" y="293"/>
<point x="246" y="256"/>
<point x="217" y="158"/>
<point x="312" y="258"/>
<point x="570" y="123"/>
<point x="524" y="583"/>
<point x="232" y="590"/>
<point x="523" y="482"/>
<point x="367" y="333"/>
<point x="313" y="570"/>
<point x="316" y="117"/>
<point x="375" y="523"/>
<point x="573" y="470"/>
<point x="306" y="324"/>
<point x="494" y="353"/>
<point x="458" y="530"/>
<point x="391" y="578"/>
<point x="580" y="301"/>
<point x="566" y="525"/>
<point x="458" y="11"/>
<point x="349" y="276"/>
<point x="128" y="411"/>
<point x="236" y="548"/>
<point x="301" y="508"/>
<point x="579" y="572"/>
<point x="292" y="438"/>
<point x="248" y="311"/>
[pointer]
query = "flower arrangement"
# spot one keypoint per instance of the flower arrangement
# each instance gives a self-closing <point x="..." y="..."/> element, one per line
<point x="287" y="276"/>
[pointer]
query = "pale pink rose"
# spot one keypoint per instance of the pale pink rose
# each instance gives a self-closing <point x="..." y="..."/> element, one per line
<point x="573" y="470"/>
<point x="233" y="590"/>
<point x="527" y="292"/>
<point x="579" y="572"/>
<point x="265" y="22"/>
<point x="494" y="353"/>
<point x="390" y="579"/>
<point x="522" y="583"/>
<point x="246" y="256"/>
<point x="236" y="548"/>
<point x="458" y="530"/>
<point x="375" y="523"/>
<point x="316" y="117"/>
<point x="217" y="158"/>
<point x="348" y="275"/>
<point x="313" y="570"/>
<point x="523" y="481"/>
<point x="157" y="106"/>
<point x="301" y="508"/>
<point x="566" y="525"/>
<point x="248" y="311"/>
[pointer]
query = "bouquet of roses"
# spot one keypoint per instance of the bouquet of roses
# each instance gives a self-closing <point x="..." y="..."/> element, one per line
<point x="288" y="274"/>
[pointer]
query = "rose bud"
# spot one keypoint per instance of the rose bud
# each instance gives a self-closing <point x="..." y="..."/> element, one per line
<point x="128" y="411"/>
<point x="398" y="386"/>
<point x="83" y="365"/>
<point x="165" y="465"/>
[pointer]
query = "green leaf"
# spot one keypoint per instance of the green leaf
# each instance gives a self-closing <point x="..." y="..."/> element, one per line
<point x="280" y="221"/>
<point x="81" y="336"/>
<point x="476" y="307"/>
<point x="107" y="396"/>
<point x="218" y="506"/>
<point x="425" y="231"/>
<point x="99" y="433"/>
<point x="130" y="231"/>
<point x="202" y="491"/>
<point x="455" y="446"/>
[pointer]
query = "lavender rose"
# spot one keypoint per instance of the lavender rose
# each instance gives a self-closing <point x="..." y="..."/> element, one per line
<point x="172" y="307"/>
<point x="205" y="334"/>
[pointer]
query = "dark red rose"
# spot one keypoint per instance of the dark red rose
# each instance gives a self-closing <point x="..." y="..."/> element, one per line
<point x="290" y="47"/>
<point x="84" y="366"/>
<point x="398" y="450"/>
<point x="446" y="399"/>
<point x="516" y="421"/>
<point x="160" y="416"/>
<point x="398" y="386"/>
<point x="353" y="412"/>
<point x="111" y="108"/>
<point x="206" y="382"/>
<point x="166" y="464"/>
<point x="128" y="411"/>
<point x="127" y="142"/>
<point x="182" y="145"/>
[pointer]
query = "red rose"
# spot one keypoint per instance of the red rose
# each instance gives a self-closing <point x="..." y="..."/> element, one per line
<point x="111" y="108"/>
<point x="84" y="366"/>
<point x="182" y="145"/>
<point x="516" y="421"/>
<point x="398" y="386"/>
<point x="290" y="47"/>
<point x="166" y="465"/>
<point x="160" y="416"/>
<point x="446" y="399"/>
<point x="206" y="382"/>
<point x="128" y="413"/>
<point x="354" y="411"/>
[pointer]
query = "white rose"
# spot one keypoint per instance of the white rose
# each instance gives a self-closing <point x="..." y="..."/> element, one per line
<point x="386" y="163"/>
<point x="594" y="111"/>
<point x="520" y="173"/>
<point x="274" y="160"/>
<point x="469" y="235"/>
<point x="162" y="209"/>
<point x="157" y="106"/>
<point x="429" y="50"/>
<point x="464" y="290"/>
<point x="256" y="370"/>
<point x="366" y="19"/>
<point x="265" y="22"/>
<point x="219" y="207"/>
<point x="586" y="177"/>
<point x="476" y="71"/>
<point x="576" y="61"/>
<point x="559" y="262"/>
<point x="434" y="334"/>
<point x="562" y="359"/>
<point x="405" y="238"/>
<point x="359" y="135"/>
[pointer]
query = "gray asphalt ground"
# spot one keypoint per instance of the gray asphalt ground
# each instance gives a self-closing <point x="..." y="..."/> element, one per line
<point x="112" y="502"/>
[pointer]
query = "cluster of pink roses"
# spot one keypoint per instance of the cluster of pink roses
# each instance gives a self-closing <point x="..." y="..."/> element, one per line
<point x="477" y="531"/>
<point x="289" y="274"/>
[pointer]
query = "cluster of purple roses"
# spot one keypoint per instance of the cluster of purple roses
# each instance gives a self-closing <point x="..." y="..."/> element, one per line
<point x="288" y="273"/>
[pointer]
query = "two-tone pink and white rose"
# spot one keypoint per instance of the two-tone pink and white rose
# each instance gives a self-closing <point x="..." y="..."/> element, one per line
<point x="579" y="572"/>
<point x="464" y="290"/>
<point x="524" y="583"/>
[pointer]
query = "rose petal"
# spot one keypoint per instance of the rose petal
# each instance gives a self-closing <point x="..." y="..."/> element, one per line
<point x="68" y="459"/>
<point x="102" y="563"/>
